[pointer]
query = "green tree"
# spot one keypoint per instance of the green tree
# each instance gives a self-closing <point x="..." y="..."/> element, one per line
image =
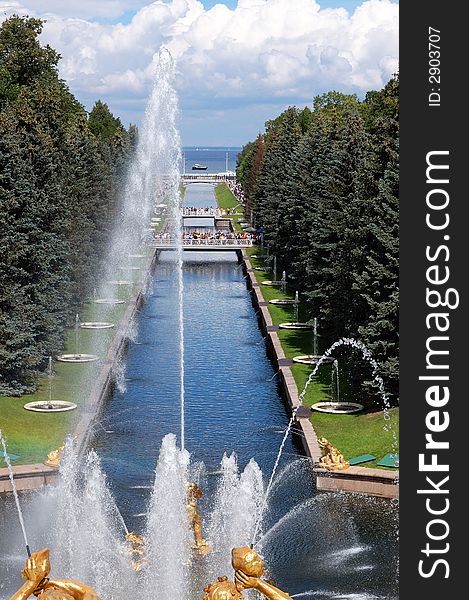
<point x="102" y="122"/>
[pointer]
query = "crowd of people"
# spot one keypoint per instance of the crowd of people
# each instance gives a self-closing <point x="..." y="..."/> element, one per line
<point x="212" y="211"/>
<point x="236" y="190"/>
<point x="205" y="236"/>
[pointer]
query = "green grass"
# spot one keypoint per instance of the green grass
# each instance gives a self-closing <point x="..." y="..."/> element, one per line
<point x="355" y="434"/>
<point x="226" y="200"/>
<point x="31" y="435"/>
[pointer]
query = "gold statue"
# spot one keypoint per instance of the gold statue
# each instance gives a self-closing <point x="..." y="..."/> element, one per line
<point x="332" y="458"/>
<point x="249" y="568"/>
<point x="136" y="546"/>
<point x="54" y="457"/>
<point x="222" y="589"/>
<point x="35" y="572"/>
<point x="193" y="494"/>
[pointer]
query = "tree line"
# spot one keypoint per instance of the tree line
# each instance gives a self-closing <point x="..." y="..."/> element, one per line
<point x="60" y="173"/>
<point x="323" y="184"/>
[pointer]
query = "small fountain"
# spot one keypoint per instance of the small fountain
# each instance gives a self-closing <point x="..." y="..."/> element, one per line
<point x="295" y="324"/>
<point x="96" y="325"/>
<point x="336" y="406"/>
<point x="314" y="358"/>
<point x="274" y="280"/>
<point x="108" y="301"/>
<point x="262" y="256"/>
<point x="50" y="406"/>
<point x="77" y="357"/>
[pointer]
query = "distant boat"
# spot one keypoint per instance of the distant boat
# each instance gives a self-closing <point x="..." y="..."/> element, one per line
<point x="198" y="167"/>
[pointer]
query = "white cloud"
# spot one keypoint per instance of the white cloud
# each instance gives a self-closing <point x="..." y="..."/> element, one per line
<point x="84" y="9"/>
<point x="290" y="50"/>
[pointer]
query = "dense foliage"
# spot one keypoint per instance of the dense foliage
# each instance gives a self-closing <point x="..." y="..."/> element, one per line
<point x="59" y="174"/>
<point x="323" y="185"/>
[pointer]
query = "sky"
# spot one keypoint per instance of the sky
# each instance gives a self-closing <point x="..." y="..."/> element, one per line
<point x="239" y="62"/>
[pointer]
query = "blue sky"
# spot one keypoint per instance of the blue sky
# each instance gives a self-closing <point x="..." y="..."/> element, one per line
<point x="238" y="63"/>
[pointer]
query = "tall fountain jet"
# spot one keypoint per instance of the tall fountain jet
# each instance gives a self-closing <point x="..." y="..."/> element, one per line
<point x="153" y="175"/>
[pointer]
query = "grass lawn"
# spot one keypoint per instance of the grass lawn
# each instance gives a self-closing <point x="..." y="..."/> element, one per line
<point x="31" y="436"/>
<point x="227" y="201"/>
<point x="367" y="432"/>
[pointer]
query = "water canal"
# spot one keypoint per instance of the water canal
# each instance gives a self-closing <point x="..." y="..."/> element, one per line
<point x="316" y="545"/>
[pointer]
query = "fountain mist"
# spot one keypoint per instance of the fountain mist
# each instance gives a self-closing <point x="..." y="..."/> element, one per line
<point x="167" y="535"/>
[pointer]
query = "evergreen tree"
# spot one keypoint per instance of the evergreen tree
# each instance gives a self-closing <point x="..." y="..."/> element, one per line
<point x="282" y="143"/>
<point x="58" y="192"/>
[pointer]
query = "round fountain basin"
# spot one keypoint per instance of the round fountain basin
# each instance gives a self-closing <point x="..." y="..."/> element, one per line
<point x="313" y="359"/>
<point x="50" y="407"/>
<point x="77" y="358"/>
<point x="338" y="408"/>
<point x="120" y="282"/>
<point x="295" y="326"/>
<point x="96" y="325"/>
<point x="281" y="301"/>
<point x="109" y="301"/>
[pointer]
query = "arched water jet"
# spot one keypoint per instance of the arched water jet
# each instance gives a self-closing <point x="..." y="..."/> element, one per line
<point x="376" y="379"/>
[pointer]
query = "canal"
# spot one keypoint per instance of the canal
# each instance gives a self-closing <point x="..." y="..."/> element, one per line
<point x="330" y="545"/>
<point x="316" y="545"/>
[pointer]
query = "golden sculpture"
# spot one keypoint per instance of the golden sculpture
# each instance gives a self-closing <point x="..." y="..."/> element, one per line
<point x="136" y="546"/>
<point x="332" y="458"/>
<point x="35" y="572"/>
<point x="249" y="568"/>
<point x="54" y="457"/>
<point x="193" y="494"/>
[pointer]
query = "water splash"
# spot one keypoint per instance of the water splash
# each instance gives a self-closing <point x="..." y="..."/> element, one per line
<point x="88" y="540"/>
<point x="168" y="535"/>
<point x="236" y="508"/>
<point x="118" y="374"/>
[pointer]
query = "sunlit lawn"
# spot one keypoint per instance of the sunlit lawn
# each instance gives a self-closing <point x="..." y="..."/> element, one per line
<point x="369" y="432"/>
<point x="31" y="436"/>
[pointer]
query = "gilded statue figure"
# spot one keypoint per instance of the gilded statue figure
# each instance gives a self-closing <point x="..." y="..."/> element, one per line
<point x="136" y="546"/>
<point x="332" y="459"/>
<point x="249" y="569"/>
<point x="54" y="457"/>
<point x="193" y="494"/>
<point x="37" y="583"/>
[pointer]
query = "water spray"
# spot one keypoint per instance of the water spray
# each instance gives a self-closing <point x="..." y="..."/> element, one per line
<point x="15" y="492"/>
<point x="376" y="379"/>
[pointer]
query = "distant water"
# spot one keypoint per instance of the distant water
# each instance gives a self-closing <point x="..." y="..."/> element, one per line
<point x="214" y="158"/>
